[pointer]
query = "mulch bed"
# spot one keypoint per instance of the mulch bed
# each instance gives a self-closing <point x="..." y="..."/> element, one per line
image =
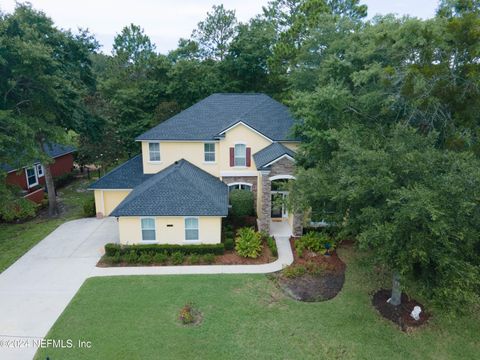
<point x="314" y="287"/>
<point x="229" y="258"/>
<point x="399" y="314"/>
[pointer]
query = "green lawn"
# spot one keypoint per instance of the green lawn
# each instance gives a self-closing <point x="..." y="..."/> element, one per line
<point x="17" y="239"/>
<point x="246" y="317"/>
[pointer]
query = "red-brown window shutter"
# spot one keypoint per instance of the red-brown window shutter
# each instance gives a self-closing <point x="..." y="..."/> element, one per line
<point x="249" y="155"/>
<point x="232" y="156"/>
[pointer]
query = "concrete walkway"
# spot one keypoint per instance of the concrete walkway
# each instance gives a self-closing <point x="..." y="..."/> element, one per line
<point x="36" y="289"/>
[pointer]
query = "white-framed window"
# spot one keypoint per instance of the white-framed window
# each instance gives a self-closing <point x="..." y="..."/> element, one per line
<point x="149" y="232"/>
<point x="239" y="186"/>
<point x="191" y="228"/>
<point x="32" y="178"/>
<point x="240" y="153"/>
<point x="40" y="172"/>
<point x="154" y="151"/>
<point x="209" y="152"/>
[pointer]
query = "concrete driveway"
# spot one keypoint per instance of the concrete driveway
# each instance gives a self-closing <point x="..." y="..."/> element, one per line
<point x="36" y="289"/>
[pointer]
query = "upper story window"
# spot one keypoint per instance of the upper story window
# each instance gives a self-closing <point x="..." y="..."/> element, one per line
<point x="154" y="151"/>
<point x="148" y="229"/>
<point x="191" y="228"/>
<point x="209" y="152"/>
<point x="240" y="155"/>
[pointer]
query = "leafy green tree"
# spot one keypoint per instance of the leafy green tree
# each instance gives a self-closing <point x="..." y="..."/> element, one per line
<point x="414" y="205"/>
<point x="215" y="32"/>
<point x="246" y="63"/>
<point x="133" y="46"/>
<point x="46" y="74"/>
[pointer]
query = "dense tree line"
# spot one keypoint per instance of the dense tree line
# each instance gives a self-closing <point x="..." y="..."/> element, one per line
<point x="389" y="113"/>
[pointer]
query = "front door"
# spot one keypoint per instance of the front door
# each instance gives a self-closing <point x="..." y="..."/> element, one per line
<point x="278" y="204"/>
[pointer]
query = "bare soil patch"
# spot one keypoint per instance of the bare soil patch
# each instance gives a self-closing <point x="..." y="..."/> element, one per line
<point x="399" y="314"/>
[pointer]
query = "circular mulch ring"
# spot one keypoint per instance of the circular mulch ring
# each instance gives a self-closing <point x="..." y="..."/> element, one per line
<point x="399" y="314"/>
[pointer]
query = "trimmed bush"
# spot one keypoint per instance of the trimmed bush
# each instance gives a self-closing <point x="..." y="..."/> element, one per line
<point x="208" y="258"/>
<point x="242" y="203"/>
<point x="248" y="243"/>
<point x="217" y="249"/>
<point x="145" y="258"/>
<point x="89" y="207"/>
<point x="160" y="258"/>
<point x="177" y="258"/>
<point x="131" y="257"/>
<point x="194" y="259"/>
<point x="229" y="244"/>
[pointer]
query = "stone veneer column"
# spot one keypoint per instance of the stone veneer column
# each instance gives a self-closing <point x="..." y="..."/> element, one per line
<point x="297" y="224"/>
<point x="265" y="213"/>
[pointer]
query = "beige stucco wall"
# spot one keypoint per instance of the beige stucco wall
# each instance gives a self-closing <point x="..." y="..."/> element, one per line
<point x="210" y="228"/>
<point x="194" y="152"/>
<point x="240" y="134"/>
<point x="174" y="151"/>
<point x="107" y="200"/>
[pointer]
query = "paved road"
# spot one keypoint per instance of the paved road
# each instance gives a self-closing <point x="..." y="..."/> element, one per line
<point x="36" y="289"/>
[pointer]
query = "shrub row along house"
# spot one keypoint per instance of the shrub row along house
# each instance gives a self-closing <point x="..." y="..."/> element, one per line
<point x="177" y="190"/>
<point x="31" y="178"/>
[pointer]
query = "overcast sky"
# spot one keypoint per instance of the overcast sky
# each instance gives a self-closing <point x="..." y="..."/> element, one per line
<point x="165" y="21"/>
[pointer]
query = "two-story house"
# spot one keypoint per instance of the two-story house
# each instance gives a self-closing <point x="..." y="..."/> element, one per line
<point x="176" y="191"/>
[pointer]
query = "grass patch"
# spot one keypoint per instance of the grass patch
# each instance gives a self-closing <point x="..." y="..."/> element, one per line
<point x="17" y="239"/>
<point x="247" y="317"/>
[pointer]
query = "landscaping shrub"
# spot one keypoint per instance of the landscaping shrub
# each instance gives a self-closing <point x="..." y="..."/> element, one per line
<point x="229" y="244"/>
<point x="313" y="241"/>
<point x="294" y="271"/>
<point x="242" y="203"/>
<point x="217" y="249"/>
<point x="16" y="209"/>
<point x="112" y="249"/>
<point x="177" y="258"/>
<point x="194" y="259"/>
<point x="131" y="257"/>
<point x="272" y="245"/>
<point x="89" y="207"/>
<point x="145" y="258"/>
<point x="186" y="314"/>
<point x="160" y="258"/>
<point x="208" y="258"/>
<point x="248" y="243"/>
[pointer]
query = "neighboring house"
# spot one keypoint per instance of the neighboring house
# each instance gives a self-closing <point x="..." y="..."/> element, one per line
<point x="176" y="191"/>
<point x="31" y="178"/>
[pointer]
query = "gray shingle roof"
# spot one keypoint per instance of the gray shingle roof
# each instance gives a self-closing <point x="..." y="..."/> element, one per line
<point x="52" y="150"/>
<point x="126" y="176"/>
<point x="271" y="153"/>
<point x="182" y="189"/>
<point x="207" y="118"/>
